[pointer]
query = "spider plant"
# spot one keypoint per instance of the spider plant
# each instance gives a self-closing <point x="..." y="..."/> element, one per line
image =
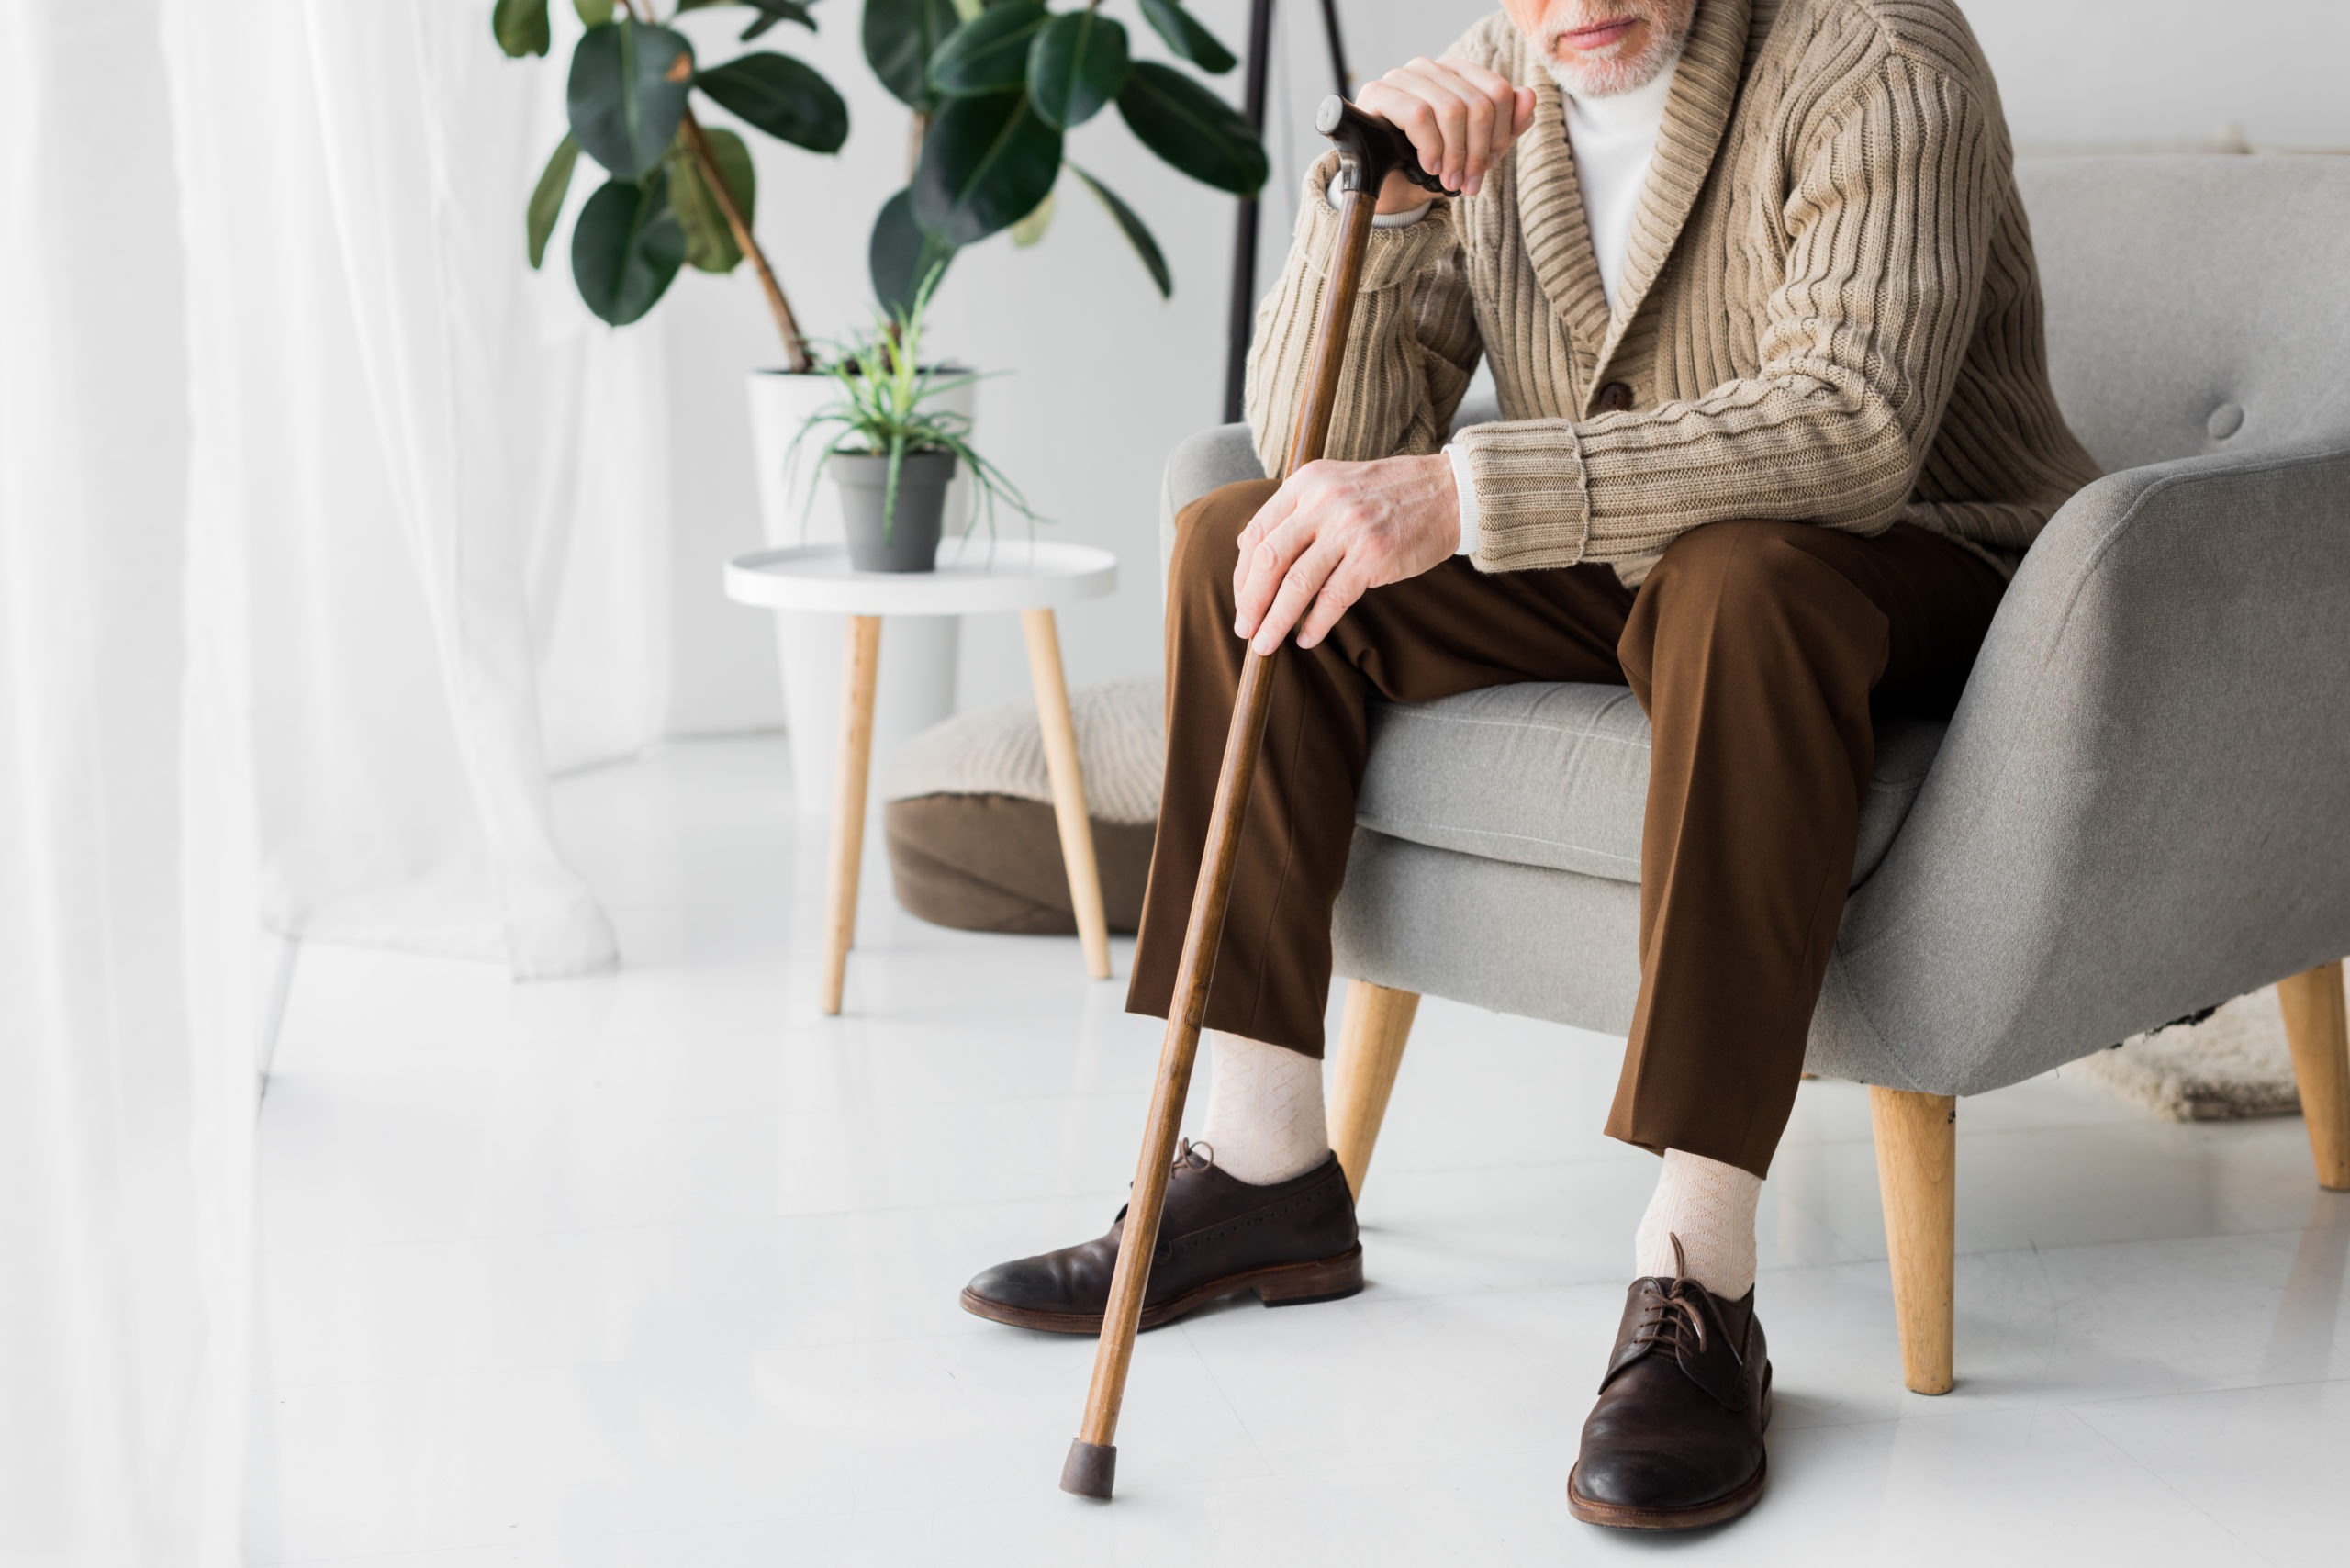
<point x="881" y="412"/>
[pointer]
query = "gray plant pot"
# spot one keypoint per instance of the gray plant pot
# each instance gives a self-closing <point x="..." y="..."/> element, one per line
<point x="908" y="542"/>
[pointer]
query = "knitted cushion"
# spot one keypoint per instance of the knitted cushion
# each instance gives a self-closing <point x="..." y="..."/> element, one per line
<point x="968" y="813"/>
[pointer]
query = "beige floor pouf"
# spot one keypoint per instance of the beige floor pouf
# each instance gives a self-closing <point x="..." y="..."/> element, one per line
<point x="968" y="813"/>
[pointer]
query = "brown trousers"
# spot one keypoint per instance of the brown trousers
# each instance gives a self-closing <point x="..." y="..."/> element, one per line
<point x="1757" y="650"/>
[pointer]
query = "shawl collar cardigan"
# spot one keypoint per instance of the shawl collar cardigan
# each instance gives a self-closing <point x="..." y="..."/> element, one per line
<point x="1829" y="310"/>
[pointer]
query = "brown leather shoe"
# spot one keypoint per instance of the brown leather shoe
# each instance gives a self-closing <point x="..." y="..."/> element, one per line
<point x="1292" y="1241"/>
<point x="1676" y="1439"/>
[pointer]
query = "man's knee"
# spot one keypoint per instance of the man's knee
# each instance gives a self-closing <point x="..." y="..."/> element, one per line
<point x="1763" y="586"/>
<point x="1742" y="571"/>
<point x="1743" y="554"/>
<point x="1206" y="542"/>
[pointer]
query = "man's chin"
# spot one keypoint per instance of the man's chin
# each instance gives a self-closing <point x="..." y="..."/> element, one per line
<point x="1586" y="77"/>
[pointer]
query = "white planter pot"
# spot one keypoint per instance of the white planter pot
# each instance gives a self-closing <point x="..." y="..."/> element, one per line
<point x="919" y="653"/>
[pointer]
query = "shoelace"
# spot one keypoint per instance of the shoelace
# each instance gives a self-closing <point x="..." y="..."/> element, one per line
<point x="1187" y="1156"/>
<point x="1669" y="1313"/>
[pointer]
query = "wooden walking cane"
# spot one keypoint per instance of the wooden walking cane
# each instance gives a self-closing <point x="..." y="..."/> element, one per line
<point x="1369" y="150"/>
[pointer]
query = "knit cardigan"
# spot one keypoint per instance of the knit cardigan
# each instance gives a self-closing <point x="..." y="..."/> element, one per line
<point x="1830" y="312"/>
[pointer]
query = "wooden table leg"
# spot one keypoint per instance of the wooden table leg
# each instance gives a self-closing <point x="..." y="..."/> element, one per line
<point x="1068" y="789"/>
<point x="853" y="761"/>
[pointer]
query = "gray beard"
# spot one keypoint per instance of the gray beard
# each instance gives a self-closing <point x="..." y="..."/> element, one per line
<point x="1570" y="83"/>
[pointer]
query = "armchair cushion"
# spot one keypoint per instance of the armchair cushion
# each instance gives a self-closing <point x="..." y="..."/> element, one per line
<point x="1557" y="776"/>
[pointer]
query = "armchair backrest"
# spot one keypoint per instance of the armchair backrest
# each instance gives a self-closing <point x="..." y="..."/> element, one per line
<point x="2196" y="304"/>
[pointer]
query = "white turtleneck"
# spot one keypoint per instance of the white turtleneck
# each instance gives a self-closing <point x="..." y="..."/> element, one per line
<point x="1613" y="140"/>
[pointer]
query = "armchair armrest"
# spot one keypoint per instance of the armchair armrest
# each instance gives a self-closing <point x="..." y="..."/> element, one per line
<point x="1214" y="457"/>
<point x="2142" y="805"/>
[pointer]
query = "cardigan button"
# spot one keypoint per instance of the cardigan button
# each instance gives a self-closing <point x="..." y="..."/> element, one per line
<point x="1615" y="398"/>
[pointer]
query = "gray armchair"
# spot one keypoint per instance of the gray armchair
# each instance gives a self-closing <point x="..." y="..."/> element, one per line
<point x="2141" y="808"/>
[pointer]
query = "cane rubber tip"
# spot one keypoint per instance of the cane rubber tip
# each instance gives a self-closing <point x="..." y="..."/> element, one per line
<point x="1089" y="1469"/>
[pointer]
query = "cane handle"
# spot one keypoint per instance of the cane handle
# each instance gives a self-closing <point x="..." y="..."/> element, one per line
<point x="1369" y="149"/>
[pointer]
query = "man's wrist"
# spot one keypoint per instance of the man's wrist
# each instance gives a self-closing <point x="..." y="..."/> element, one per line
<point x="1400" y="193"/>
<point x="1381" y="217"/>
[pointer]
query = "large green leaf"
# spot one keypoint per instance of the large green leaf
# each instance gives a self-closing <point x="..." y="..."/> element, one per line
<point x="900" y="38"/>
<point x="1192" y="129"/>
<point x="990" y="53"/>
<point x="710" y="239"/>
<point x="626" y="247"/>
<point x="902" y="252"/>
<point x="1137" y="234"/>
<point x="985" y="164"/>
<point x="770" y="12"/>
<point x="546" y="199"/>
<point x="782" y="96"/>
<point x="628" y="93"/>
<point x="594" y="13"/>
<point x="1185" y="36"/>
<point x="519" y="27"/>
<point x="1077" y="64"/>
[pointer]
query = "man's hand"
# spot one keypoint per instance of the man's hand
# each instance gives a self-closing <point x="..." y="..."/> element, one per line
<point x="1334" y="531"/>
<point x="1460" y="117"/>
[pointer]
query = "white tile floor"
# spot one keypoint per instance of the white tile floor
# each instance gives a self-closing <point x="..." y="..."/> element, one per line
<point x="659" y="1268"/>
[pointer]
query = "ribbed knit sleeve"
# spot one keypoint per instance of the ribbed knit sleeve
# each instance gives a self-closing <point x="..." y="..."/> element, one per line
<point x="1410" y="346"/>
<point x="1886" y="233"/>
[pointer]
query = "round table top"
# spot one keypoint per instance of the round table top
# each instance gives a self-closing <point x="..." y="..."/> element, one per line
<point x="971" y="578"/>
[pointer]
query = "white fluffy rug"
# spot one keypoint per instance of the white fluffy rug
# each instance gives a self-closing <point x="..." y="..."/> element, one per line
<point x="2234" y="1064"/>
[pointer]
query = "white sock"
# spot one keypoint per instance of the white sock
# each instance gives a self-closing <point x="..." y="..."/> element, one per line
<point x="1264" y="1120"/>
<point x="1710" y="1206"/>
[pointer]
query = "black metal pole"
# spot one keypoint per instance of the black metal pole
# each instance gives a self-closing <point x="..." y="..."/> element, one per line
<point x="1337" y="50"/>
<point x="1242" y="321"/>
<point x="1242" y="318"/>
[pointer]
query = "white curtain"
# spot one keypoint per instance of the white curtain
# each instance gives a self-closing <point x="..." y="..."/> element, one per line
<point x="325" y="529"/>
<point x="455" y="478"/>
<point x="127" y="926"/>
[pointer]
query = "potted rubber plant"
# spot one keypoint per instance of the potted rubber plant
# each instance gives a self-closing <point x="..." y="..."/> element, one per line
<point x="681" y="194"/>
<point x="895" y="443"/>
<point x="997" y="89"/>
<point x="675" y="192"/>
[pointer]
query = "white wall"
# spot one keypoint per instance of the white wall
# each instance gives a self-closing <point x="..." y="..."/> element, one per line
<point x="1106" y="376"/>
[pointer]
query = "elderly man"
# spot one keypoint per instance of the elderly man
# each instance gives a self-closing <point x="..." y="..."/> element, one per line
<point x="1760" y="303"/>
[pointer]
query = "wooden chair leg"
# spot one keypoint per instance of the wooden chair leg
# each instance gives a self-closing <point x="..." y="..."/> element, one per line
<point x="859" y="677"/>
<point x="1371" y="1034"/>
<point x="2317" y="1026"/>
<point x="1917" y="1164"/>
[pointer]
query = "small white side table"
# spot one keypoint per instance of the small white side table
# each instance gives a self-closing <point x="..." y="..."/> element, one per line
<point x="1034" y="578"/>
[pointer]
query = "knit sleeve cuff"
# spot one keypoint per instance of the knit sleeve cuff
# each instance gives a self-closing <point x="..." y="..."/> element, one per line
<point x="1532" y="493"/>
<point x="1399" y="252"/>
